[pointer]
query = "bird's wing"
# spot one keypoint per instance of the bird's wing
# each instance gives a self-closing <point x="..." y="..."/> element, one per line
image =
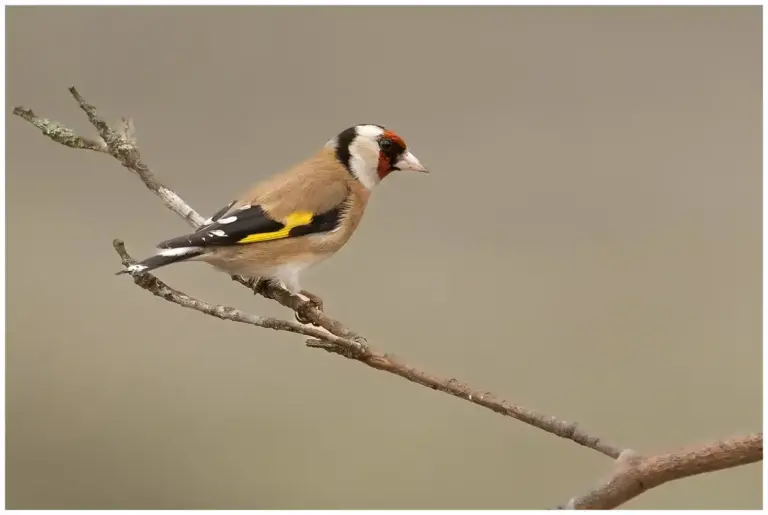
<point x="249" y="223"/>
<point x="307" y="199"/>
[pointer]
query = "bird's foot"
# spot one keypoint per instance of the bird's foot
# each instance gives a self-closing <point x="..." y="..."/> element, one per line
<point x="262" y="285"/>
<point x="313" y="301"/>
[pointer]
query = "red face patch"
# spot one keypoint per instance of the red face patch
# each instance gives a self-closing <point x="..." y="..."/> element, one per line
<point x="384" y="165"/>
<point x="392" y="147"/>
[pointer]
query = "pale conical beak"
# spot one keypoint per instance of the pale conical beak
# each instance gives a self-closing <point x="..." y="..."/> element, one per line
<point x="409" y="163"/>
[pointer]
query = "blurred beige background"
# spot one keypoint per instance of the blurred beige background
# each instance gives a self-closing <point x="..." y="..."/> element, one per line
<point x="588" y="245"/>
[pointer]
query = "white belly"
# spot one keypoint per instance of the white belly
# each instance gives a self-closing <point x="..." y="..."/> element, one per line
<point x="288" y="273"/>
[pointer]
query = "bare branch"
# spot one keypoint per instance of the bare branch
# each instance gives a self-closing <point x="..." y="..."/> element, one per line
<point x="363" y="353"/>
<point x="563" y="429"/>
<point x="636" y="474"/>
<point x="633" y="474"/>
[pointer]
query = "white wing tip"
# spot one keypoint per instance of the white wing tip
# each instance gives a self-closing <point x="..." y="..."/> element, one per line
<point x="178" y="251"/>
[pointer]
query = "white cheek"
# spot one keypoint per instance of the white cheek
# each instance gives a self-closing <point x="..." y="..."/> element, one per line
<point x="364" y="162"/>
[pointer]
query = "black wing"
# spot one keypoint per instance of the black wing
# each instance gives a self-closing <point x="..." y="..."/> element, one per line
<point x="252" y="225"/>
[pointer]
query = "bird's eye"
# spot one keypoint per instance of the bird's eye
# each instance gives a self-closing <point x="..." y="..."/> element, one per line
<point x="385" y="144"/>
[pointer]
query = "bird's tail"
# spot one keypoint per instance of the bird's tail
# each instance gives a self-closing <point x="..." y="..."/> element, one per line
<point x="163" y="258"/>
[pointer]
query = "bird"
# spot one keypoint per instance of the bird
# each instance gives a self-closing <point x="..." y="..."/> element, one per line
<point x="297" y="218"/>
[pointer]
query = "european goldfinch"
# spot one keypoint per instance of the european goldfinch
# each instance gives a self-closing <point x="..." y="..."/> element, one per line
<point x="296" y="218"/>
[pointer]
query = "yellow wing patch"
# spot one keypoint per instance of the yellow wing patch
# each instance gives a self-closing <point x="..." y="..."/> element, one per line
<point x="293" y="220"/>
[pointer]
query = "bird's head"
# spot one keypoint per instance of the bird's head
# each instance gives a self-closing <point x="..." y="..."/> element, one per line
<point x="371" y="152"/>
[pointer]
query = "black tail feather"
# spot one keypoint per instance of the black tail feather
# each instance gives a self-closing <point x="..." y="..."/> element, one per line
<point x="160" y="260"/>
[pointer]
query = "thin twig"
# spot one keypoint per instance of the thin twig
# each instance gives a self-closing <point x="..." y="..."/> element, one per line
<point x="59" y="133"/>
